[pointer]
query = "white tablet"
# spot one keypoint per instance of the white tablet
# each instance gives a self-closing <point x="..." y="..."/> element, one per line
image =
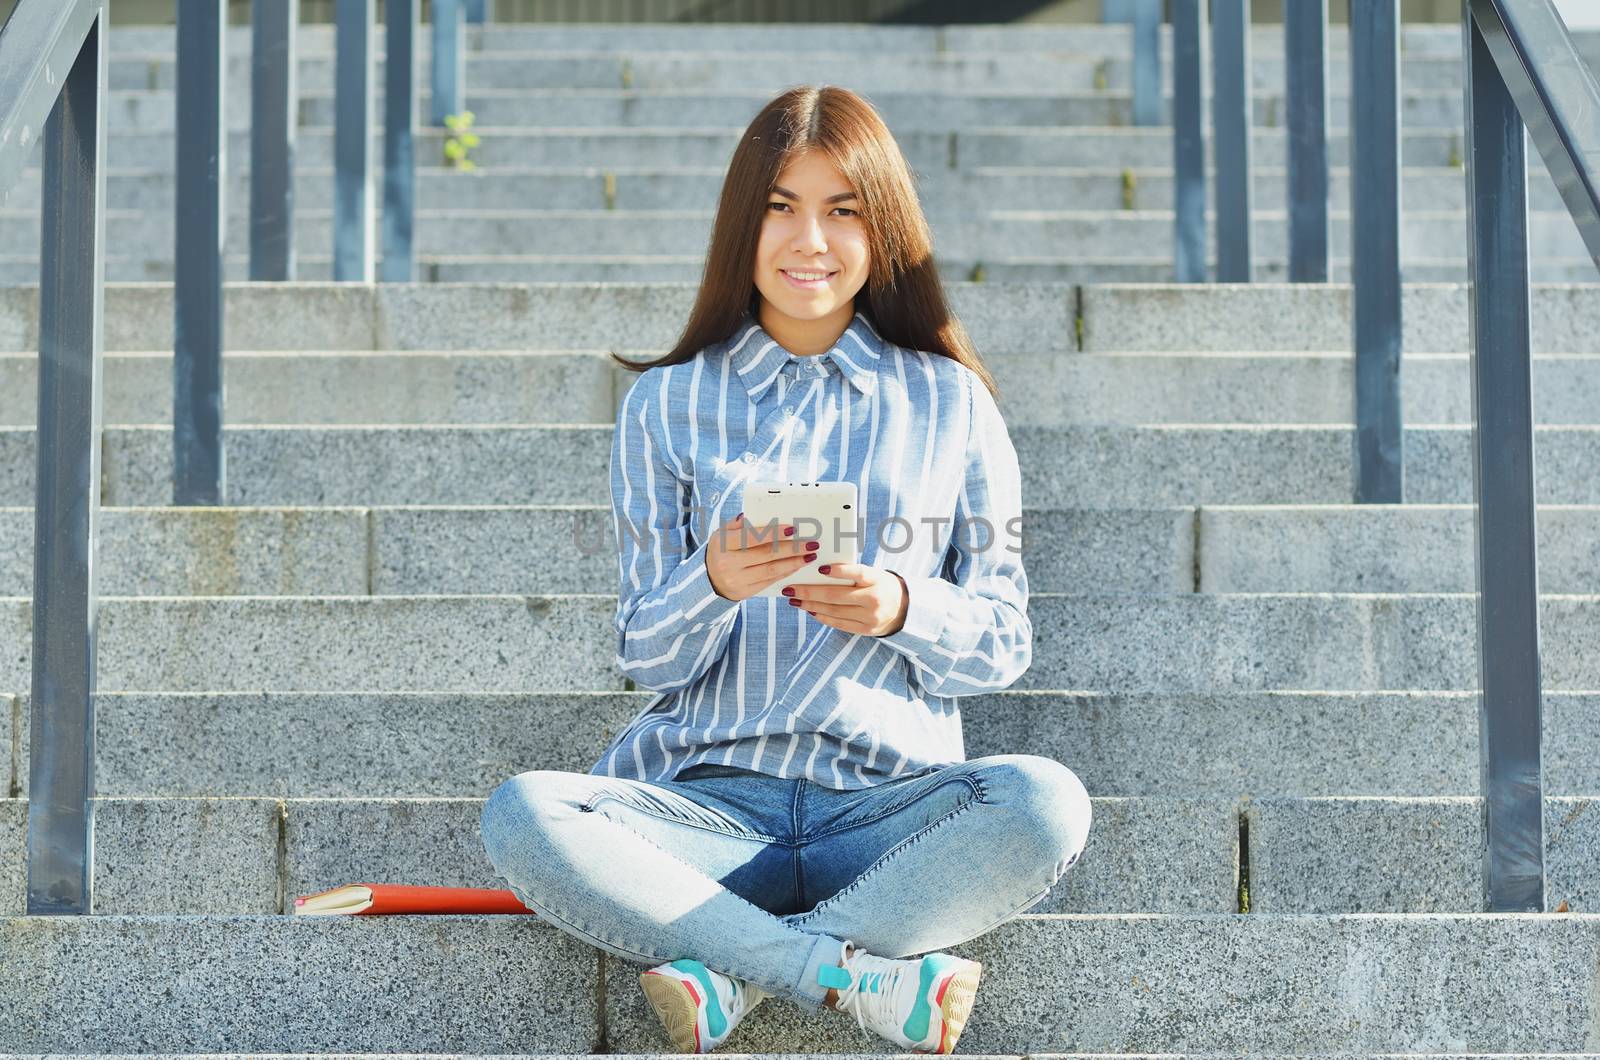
<point x="824" y="512"/>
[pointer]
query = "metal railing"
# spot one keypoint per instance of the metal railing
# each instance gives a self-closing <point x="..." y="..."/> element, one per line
<point x="40" y="42"/>
<point x="53" y="74"/>
<point x="1521" y="74"/>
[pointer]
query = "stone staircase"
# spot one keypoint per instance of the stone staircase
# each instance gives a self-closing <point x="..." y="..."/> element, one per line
<point x="1267" y="690"/>
<point x="603" y="149"/>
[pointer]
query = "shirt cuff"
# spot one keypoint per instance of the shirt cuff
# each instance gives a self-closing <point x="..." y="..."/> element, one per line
<point x="702" y="604"/>
<point x="927" y="609"/>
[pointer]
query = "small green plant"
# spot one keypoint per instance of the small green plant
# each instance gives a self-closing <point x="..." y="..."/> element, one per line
<point x="627" y="73"/>
<point x="1102" y="75"/>
<point x="609" y="188"/>
<point x="1130" y="185"/>
<point x="1455" y="153"/>
<point x="978" y="273"/>
<point x="461" y="140"/>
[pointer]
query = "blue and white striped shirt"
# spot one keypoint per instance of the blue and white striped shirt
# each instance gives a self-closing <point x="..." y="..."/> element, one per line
<point x="758" y="683"/>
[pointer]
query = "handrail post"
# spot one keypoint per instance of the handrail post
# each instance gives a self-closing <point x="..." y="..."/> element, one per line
<point x="198" y="461"/>
<point x="399" y="131"/>
<point x="1375" y="249"/>
<point x="448" y="90"/>
<point x="61" y="755"/>
<point x="1188" y="144"/>
<point x="1306" y="95"/>
<point x="352" y="140"/>
<point x="1147" y="62"/>
<point x="1509" y="710"/>
<point x="1230" y="131"/>
<point x="272" y="134"/>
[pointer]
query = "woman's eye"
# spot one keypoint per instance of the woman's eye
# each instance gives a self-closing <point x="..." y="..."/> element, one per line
<point x="785" y="205"/>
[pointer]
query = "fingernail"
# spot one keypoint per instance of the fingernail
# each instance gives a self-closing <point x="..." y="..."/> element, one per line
<point x="795" y="603"/>
<point x="824" y="568"/>
<point x="788" y="591"/>
<point x="788" y="531"/>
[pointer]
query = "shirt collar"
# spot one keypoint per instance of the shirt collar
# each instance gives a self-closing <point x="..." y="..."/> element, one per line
<point x="759" y="359"/>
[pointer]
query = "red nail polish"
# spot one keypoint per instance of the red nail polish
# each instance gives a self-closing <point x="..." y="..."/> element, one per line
<point x="794" y="602"/>
<point x="824" y="568"/>
<point x="787" y="591"/>
<point x="788" y="531"/>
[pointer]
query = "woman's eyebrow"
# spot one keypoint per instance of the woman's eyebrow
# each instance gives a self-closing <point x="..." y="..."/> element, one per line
<point x="787" y="194"/>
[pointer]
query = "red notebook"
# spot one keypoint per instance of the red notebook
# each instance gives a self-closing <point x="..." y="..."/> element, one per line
<point x="376" y="899"/>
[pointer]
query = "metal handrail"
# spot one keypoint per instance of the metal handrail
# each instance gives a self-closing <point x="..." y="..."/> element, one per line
<point x="38" y="45"/>
<point x="53" y="75"/>
<point x="1557" y="95"/>
<point x="1522" y="74"/>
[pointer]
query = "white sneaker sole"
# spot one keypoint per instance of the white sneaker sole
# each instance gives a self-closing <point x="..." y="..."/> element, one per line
<point x="953" y="1001"/>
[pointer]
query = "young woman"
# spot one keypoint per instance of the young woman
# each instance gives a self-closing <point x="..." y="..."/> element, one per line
<point x="794" y="812"/>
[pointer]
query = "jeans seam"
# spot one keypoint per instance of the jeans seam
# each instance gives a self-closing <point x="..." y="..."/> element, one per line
<point x="588" y="806"/>
<point x="883" y="860"/>
<point x="798" y="845"/>
<point x="1029" y="904"/>
<point x="978" y="792"/>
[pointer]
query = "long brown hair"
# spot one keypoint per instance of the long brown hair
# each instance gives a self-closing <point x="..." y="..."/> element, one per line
<point x="904" y="297"/>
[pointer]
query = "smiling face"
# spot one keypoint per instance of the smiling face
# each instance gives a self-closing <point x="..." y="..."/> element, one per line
<point x="812" y="256"/>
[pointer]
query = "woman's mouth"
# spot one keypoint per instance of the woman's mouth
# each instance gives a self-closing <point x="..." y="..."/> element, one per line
<point x="808" y="279"/>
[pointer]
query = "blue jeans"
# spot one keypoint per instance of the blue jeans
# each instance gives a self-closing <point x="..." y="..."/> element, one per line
<point x="764" y="879"/>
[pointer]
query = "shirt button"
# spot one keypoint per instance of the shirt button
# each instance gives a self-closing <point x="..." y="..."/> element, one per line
<point x="748" y="458"/>
<point x="714" y="497"/>
<point x="789" y="409"/>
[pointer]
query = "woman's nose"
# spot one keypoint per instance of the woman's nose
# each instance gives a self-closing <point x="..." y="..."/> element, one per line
<point x="810" y="237"/>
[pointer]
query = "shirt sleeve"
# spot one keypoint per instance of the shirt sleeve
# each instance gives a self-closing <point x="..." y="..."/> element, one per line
<point x="970" y="632"/>
<point x="671" y="623"/>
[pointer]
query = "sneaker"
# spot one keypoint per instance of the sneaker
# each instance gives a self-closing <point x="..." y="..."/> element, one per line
<point x="698" y="1007"/>
<point x="919" y="1003"/>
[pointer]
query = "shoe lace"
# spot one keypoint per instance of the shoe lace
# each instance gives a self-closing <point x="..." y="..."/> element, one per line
<point x="880" y="1006"/>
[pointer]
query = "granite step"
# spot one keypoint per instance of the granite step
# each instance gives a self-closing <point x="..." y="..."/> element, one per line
<point x="665" y="107"/>
<point x="1013" y="235"/>
<point x="1245" y="983"/>
<point x="1017" y="145"/>
<point x="644" y="320"/>
<point x="1050" y="389"/>
<point x="1110" y="466"/>
<point x="1416" y="38"/>
<point x="1319" y="855"/>
<point x="687" y="269"/>
<point x="1088" y="642"/>
<point x="1123" y="744"/>
<point x="261" y="853"/>
<point x="424" y="550"/>
<point x="769" y="69"/>
<point x="1105" y="187"/>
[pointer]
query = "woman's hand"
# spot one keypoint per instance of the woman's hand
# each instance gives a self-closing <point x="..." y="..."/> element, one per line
<point x="742" y="558"/>
<point x="874" y="606"/>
